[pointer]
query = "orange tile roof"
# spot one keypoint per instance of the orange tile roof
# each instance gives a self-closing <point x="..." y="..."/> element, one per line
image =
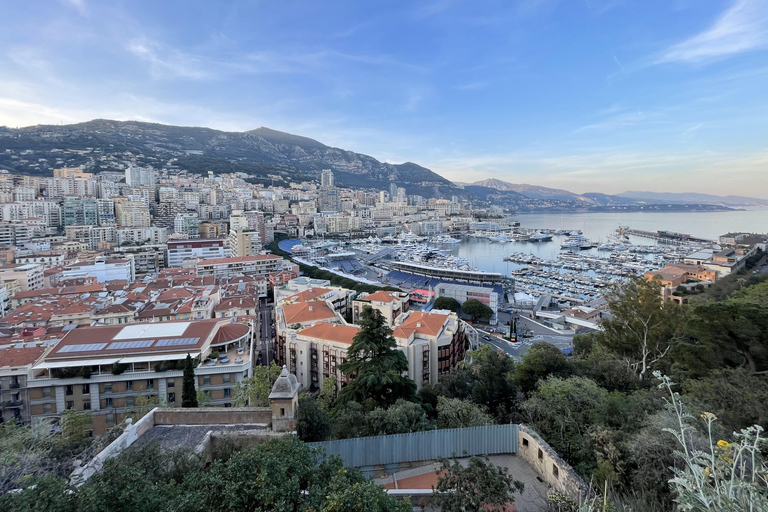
<point x="331" y="332"/>
<point x="307" y="312"/>
<point x="238" y="259"/>
<point x="308" y="295"/>
<point x="20" y="356"/>
<point x="383" y="296"/>
<point x="428" y="324"/>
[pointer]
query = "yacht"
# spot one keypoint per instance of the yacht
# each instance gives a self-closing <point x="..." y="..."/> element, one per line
<point x="577" y="242"/>
<point x="540" y="237"/>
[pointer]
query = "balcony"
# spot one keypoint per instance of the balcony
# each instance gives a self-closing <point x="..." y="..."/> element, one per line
<point x="12" y="403"/>
<point x="15" y="385"/>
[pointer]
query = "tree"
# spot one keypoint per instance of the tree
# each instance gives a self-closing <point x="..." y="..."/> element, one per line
<point x="727" y="334"/>
<point x="562" y="412"/>
<point x="312" y="423"/>
<point x="447" y="303"/>
<point x="642" y="324"/>
<point x="400" y="418"/>
<point x="733" y="395"/>
<point x="476" y="309"/>
<point x="254" y="391"/>
<point x="188" y="388"/>
<point x="327" y="393"/>
<point x="455" y="413"/>
<point x="475" y="487"/>
<point x="375" y="365"/>
<point x="492" y="386"/>
<point x="541" y="361"/>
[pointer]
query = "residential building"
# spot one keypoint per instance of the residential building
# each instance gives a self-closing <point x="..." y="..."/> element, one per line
<point x="104" y="270"/>
<point x="200" y="248"/>
<point x="15" y="368"/>
<point x="260" y="265"/>
<point x="29" y="275"/>
<point x="80" y="211"/>
<point x="390" y="304"/>
<point x="138" y="360"/>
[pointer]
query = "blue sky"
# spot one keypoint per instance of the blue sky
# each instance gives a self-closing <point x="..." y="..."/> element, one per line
<point x="587" y="95"/>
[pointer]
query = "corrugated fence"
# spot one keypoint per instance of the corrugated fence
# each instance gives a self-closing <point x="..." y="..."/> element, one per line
<point x="418" y="446"/>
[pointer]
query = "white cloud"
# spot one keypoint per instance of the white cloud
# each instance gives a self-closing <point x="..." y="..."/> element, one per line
<point x="743" y="27"/>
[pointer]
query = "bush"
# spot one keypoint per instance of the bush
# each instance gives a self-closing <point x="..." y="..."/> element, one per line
<point x="118" y="368"/>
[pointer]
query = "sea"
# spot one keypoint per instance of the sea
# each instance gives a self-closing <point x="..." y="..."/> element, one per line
<point x="488" y="256"/>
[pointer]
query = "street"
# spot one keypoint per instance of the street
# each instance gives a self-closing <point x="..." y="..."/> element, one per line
<point x="265" y="332"/>
<point x="560" y="339"/>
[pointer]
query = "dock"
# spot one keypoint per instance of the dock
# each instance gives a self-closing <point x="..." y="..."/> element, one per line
<point x="668" y="237"/>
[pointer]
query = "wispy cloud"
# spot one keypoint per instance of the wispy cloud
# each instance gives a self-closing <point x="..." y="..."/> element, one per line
<point x="170" y="63"/>
<point x="77" y="4"/>
<point x="616" y="119"/>
<point x="743" y="27"/>
<point x="692" y="129"/>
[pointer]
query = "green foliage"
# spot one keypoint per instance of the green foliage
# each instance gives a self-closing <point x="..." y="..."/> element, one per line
<point x="642" y="325"/>
<point x="562" y="410"/>
<point x="476" y="487"/>
<point x="476" y="309"/>
<point x="447" y="303"/>
<point x="313" y="423"/>
<point x="455" y="413"/>
<point x="204" y="398"/>
<point x="492" y="384"/>
<point x="188" y="388"/>
<point x="377" y="366"/>
<point x="254" y="391"/>
<point x="541" y="361"/>
<point x="327" y="394"/>
<point x="402" y="417"/>
<point x="118" y="368"/>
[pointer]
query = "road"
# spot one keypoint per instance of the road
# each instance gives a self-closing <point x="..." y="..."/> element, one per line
<point x="265" y="332"/>
<point x="560" y="339"/>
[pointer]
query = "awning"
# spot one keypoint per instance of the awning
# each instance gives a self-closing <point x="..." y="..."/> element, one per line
<point x="151" y="359"/>
<point x="74" y="363"/>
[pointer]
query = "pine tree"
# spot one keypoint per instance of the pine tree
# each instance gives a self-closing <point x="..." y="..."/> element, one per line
<point x="188" y="391"/>
<point x="376" y="365"/>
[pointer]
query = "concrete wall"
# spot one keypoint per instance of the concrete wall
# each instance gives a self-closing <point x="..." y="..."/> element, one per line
<point x="551" y="468"/>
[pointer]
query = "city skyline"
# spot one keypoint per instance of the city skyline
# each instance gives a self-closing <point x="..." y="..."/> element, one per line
<point x="659" y="97"/>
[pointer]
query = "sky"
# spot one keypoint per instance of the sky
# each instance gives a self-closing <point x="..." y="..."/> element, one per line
<point x="585" y="95"/>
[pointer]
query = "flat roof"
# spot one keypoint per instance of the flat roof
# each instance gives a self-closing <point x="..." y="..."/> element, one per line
<point x="133" y="340"/>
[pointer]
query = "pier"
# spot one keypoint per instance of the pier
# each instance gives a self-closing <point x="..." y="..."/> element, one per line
<point x="668" y="237"/>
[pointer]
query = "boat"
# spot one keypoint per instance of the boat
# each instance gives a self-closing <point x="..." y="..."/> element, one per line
<point x="540" y="237"/>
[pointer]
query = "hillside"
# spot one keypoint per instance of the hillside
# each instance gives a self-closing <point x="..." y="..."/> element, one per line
<point x="256" y="152"/>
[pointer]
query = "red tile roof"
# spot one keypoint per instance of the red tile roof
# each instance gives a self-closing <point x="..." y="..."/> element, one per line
<point x="307" y="312"/>
<point x="331" y="332"/>
<point x="20" y="356"/>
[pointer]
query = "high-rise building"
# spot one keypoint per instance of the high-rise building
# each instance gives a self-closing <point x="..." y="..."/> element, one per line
<point x="392" y="190"/>
<point x="132" y="214"/>
<point x="140" y="176"/>
<point x="243" y="242"/>
<point x="80" y="211"/>
<point x="326" y="178"/>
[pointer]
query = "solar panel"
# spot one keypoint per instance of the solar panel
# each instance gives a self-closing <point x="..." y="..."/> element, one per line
<point x="130" y="344"/>
<point x="133" y="332"/>
<point x="82" y="348"/>
<point x="175" y="342"/>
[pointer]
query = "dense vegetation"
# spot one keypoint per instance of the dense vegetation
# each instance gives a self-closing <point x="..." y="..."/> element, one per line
<point x="602" y="410"/>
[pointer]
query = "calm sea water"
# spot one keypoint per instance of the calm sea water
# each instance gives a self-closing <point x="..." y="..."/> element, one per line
<point x="488" y="256"/>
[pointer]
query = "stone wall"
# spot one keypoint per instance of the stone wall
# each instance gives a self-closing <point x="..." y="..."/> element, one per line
<point x="213" y="416"/>
<point x="551" y="468"/>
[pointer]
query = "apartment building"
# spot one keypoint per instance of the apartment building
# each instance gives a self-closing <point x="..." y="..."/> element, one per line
<point x="202" y="248"/>
<point x="15" y="366"/>
<point x="104" y="370"/>
<point x="260" y="265"/>
<point x="29" y="275"/>
<point x="390" y="304"/>
<point x="104" y="270"/>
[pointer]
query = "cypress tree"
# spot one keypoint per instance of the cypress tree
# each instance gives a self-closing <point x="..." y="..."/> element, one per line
<point x="188" y="391"/>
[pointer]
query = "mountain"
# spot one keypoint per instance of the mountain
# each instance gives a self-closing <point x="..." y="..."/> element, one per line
<point x="553" y="194"/>
<point x="261" y="152"/>
<point x="689" y="197"/>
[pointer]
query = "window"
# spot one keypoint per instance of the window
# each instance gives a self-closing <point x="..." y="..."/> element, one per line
<point x="129" y="385"/>
<point x="541" y="454"/>
<point x="46" y="392"/>
<point x="47" y="408"/>
<point x="70" y="390"/>
<point x="555" y="471"/>
<point x="228" y="404"/>
<point x="170" y="383"/>
<point x="206" y="381"/>
<point x="110" y="419"/>
<point x="150" y="383"/>
<point x="226" y="379"/>
<point x="282" y="411"/>
<point x="227" y="392"/>
<point x="86" y="389"/>
<point x="171" y="398"/>
<point x="107" y="402"/>
<point x="525" y="442"/>
<point x="86" y="406"/>
<point x="107" y="388"/>
<point x="129" y="401"/>
<point x="70" y="404"/>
